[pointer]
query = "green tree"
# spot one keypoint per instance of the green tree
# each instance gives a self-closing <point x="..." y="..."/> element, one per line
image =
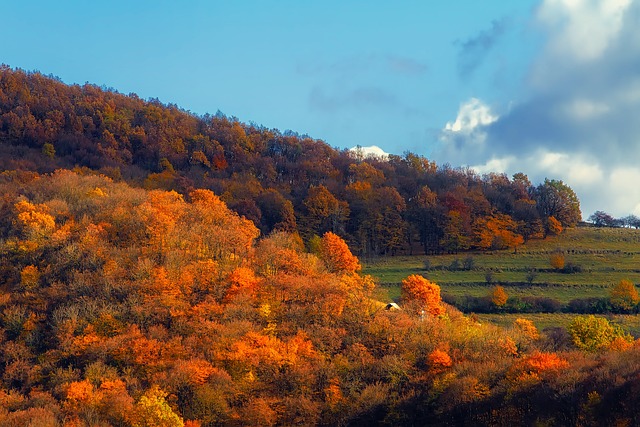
<point x="556" y="199"/>
<point x="48" y="150"/>
<point x="593" y="333"/>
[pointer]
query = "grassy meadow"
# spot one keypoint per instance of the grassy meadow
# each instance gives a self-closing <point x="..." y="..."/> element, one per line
<point x="602" y="256"/>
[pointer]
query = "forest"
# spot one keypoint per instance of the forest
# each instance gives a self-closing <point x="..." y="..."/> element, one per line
<point x="280" y="181"/>
<point x="163" y="269"/>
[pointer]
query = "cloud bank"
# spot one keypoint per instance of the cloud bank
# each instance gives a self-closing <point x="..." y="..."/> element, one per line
<point x="579" y="118"/>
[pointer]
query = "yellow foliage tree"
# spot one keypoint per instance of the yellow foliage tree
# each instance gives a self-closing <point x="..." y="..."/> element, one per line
<point x="527" y="329"/>
<point x="593" y="333"/>
<point x="557" y="260"/>
<point x="152" y="410"/>
<point x="624" y="295"/>
<point x="29" y="277"/>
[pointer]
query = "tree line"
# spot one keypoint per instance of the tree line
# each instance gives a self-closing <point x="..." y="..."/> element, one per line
<point x="603" y="219"/>
<point x="280" y="181"/>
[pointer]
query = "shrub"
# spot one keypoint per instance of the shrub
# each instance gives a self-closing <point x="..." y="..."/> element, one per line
<point x="571" y="268"/>
<point x="592" y="305"/>
<point x="592" y="333"/>
<point x="468" y="263"/>
<point x="557" y="260"/>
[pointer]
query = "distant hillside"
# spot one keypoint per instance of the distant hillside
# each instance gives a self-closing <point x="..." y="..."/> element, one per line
<point x="287" y="182"/>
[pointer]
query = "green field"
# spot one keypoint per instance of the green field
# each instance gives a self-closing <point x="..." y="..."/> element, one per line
<point x="604" y="256"/>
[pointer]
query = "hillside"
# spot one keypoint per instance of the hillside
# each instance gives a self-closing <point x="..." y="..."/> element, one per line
<point x="285" y="182"/>
<point x="124" y="306"/>
<point x="595" y="260"/>
<point x="163" y="269"/>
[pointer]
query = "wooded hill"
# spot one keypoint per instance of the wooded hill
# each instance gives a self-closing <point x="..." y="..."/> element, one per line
<point x="125" y="304"/>
<point x="280" y="181"/>
<point x="122" y="306"/>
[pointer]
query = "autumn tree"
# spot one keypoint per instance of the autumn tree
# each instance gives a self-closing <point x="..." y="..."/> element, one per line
<point x="30" y="277"/>
<point x="152" y="410"/>
<point x="423" y="292"/>
<point x="439" y="361"/>
<point x="498" y="231"/>
<point x="499" y="296"/>
<point x="527" y="329"/>
<point x="455" y="234"/>
<point x="554" y="227"/>
<point x="323" y="212"/>
<point x="557" y="260"/>
<point x="593" y="333"/>
<point x="336" y="254"/>
<point x="624" y="295"/>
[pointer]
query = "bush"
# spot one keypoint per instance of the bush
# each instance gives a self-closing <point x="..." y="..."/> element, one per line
<point x="557" y="260"/>
<point x="542" y="304"/>
<point x="455" y="265"/>
<point x="592" y="333"/>
<point x="591" y="305"/>
<point x="571" y="268"/>
<point x="468" y="263"/>
<point x="489" y="277"/>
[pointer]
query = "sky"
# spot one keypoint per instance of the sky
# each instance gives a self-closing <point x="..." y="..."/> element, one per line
<point x="550" y="88"/>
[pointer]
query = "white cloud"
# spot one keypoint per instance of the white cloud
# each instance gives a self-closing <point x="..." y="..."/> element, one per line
<point x="584" y="109"/>
<point x="577" y="116"/>
<point x="583" y="28"/>
<point x="499" y="165"/>
<point x="471" y="115"/>
<point x="620" y="194"/>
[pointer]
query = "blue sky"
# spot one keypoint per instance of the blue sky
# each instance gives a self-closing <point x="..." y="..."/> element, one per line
<point x="546" y="87"/>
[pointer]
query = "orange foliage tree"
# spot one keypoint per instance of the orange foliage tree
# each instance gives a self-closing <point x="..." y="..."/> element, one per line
<point x="336" y="254"/>
<point x="557" y="260"/>
<point x="242" y="281"/>
<point x="554" y="226"/>
<point x="423" y="292"/>
<point x="498" y="231"/>
<point x="439" y="360"/>
<point x="499" y="296"/>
